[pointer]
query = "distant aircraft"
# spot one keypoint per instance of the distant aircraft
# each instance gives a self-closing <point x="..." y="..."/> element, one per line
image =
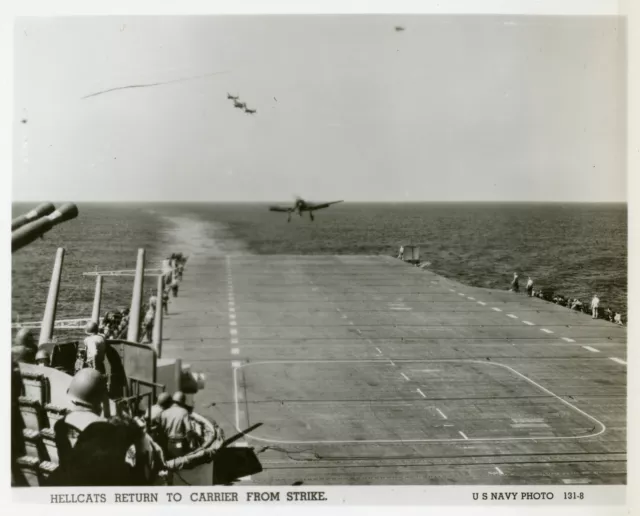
<point x="250" y="111"/>
<point x="300" y="206"/>
<point x="229" y="96"/>
<point x="399" y="28"/>
<point x="239" y="105"/>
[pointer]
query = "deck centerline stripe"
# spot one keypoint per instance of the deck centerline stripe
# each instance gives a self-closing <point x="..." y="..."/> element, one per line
<point x="463" y="435"/>
<point x="405" y="377"/>
<point x="619" y="360"/>
<point x="441" y="413"/>
<point x="593" y="350"/>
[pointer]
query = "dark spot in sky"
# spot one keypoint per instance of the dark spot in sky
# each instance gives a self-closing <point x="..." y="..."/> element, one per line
<point x="24" y="120"/>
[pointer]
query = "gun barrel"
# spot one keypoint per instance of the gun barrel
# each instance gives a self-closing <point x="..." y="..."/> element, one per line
<point x="29" y="232"/>
<point x="39" y="211"/>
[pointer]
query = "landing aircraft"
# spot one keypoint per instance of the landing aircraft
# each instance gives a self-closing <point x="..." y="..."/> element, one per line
<point x="250" y="111"/>
<point x="300" y="206"/>
<point x="229" y="96"/>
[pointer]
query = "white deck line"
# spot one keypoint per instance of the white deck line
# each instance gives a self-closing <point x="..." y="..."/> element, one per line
<point x="499" y="470"/>
<point x="421" y="393"/>
<point x="405" y="377"/>
<point x="235" y="351"/>
<point x="442" y="414"/>
<point x="471" y="298"/>
<point x="603" y="428"/>
<point x="462" y="434"/>
<point x="496" y="309"/>
<point x="619" y="360"/>
<point x="482" y="303"/>
<point x="528" y="323"/>
<point x="593" y="350"/>
<point x="545" y="330"/>
<point x="567" y="339"/>
<point x="512" y="316"/>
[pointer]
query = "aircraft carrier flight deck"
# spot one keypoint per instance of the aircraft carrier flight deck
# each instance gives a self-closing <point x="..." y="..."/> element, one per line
<point x="366" y="370"/>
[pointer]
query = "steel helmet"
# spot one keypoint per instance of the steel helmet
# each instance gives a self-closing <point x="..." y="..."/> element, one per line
<point x="42" y="354"/>
<point x="87" y="388"/>
<point x="91" y="328"/>
<point x="25" y="338"/>
<point x="179" y="398"/>
<point x="164" y="400"/>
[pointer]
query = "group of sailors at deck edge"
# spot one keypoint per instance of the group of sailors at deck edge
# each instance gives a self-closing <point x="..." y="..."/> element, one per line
<point x="98" y="450"/>
<point x="572" y="303"/>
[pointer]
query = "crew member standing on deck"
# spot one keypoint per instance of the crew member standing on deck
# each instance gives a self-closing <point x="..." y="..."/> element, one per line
<point x="96" y="347"/>
<point x="176" y="426"/>
<point x="515" y="284"/>
<point x="595" y="304"/>
<point x="174" y="284"/>
<point x="401" y="253"/>
<point x="529" y="287"/>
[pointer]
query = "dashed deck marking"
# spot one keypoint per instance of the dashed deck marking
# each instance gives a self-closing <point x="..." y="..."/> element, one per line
<point x="233" y="331"/>
<point x="235" y="363"/>
<point x="234" y="341"/>
<point x="350" y="322"/>
<point x="380" y="352"/>
<point x="499" y="470"/>
<point x="593" y="350"/>
<point x="512" y="316"/>
<point x="343" y="316"/>
<point x="471" y="298"/>
<point x="496" y="309"/>
<point x="233" y="323"/>
<point x="531" y="437"/>
<point x="358" y="331"/>
<point x="460" y="294"/>
<point x="529" y="323"/>
<point x="235" y="351"/>
<point x="405" y="377"/>
<point x="482" y="303"/>
<point x="451" y="290"/>
<point x="619" y="360"/>
<point x="568" y="339"/>
<point x="400" y="308"/>
<point x="462" y="434"/>
<point x="545" y="330"/>
<point x="442" y="414"/>
<point x="392" y="362"/>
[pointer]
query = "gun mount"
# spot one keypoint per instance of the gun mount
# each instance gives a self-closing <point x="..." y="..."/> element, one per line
<point x="29" y="227"/>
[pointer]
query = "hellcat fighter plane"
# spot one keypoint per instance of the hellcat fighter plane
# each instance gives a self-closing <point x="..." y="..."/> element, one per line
<point x="250" y="111"/>
<point x="239" y="105"/>
<point x="300" y="206"/>
<point x="229" y="96"/>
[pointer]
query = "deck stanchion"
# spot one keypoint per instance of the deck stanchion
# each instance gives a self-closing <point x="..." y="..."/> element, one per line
<point x="97" y="298"/>
<point x="133" y="333"/>
<point x="49" y="318"/>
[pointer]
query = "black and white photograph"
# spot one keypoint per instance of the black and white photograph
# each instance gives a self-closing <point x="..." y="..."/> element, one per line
<point x="268" y="255"/>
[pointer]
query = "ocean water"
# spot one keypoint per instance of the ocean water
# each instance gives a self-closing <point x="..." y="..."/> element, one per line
<point x="573" y="249"/>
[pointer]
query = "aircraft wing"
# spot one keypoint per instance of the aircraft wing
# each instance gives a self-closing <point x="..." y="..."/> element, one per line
<point x="284" y="209"/>
<point x="320" y="206"/>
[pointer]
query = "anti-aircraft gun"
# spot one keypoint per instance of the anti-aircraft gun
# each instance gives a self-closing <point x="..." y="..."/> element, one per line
<point x="28" y="227"/>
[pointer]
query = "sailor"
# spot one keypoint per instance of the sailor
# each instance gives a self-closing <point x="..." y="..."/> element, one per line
<point x="165" y="301"/>
<point x="174" y="284"/>
<point x="595" y="304"/>
<point x="163" y="402"/>
<point x="618" y="318"/>
<point x="43" y="359"/>
<point x="147" y="323"/>
<point x="401" y="253"/>
<point x="529" y="287"/>
<point x="96" y="347"/>
<point x="23" y="354"/>
<point x="86" y="393"/>
<point x="176" y="427"/>
<point x="25" y="338"/>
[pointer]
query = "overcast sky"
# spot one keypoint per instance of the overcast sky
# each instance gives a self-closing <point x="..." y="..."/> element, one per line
<point x="481" y="108"/>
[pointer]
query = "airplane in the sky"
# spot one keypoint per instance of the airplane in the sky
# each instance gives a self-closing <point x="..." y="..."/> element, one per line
<point x="300" y="206"/>
<point x="250" y="111"/>
<point x="229" y="96"/>
<point x="399" y="28"/>
<point x="239" y="105"/>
